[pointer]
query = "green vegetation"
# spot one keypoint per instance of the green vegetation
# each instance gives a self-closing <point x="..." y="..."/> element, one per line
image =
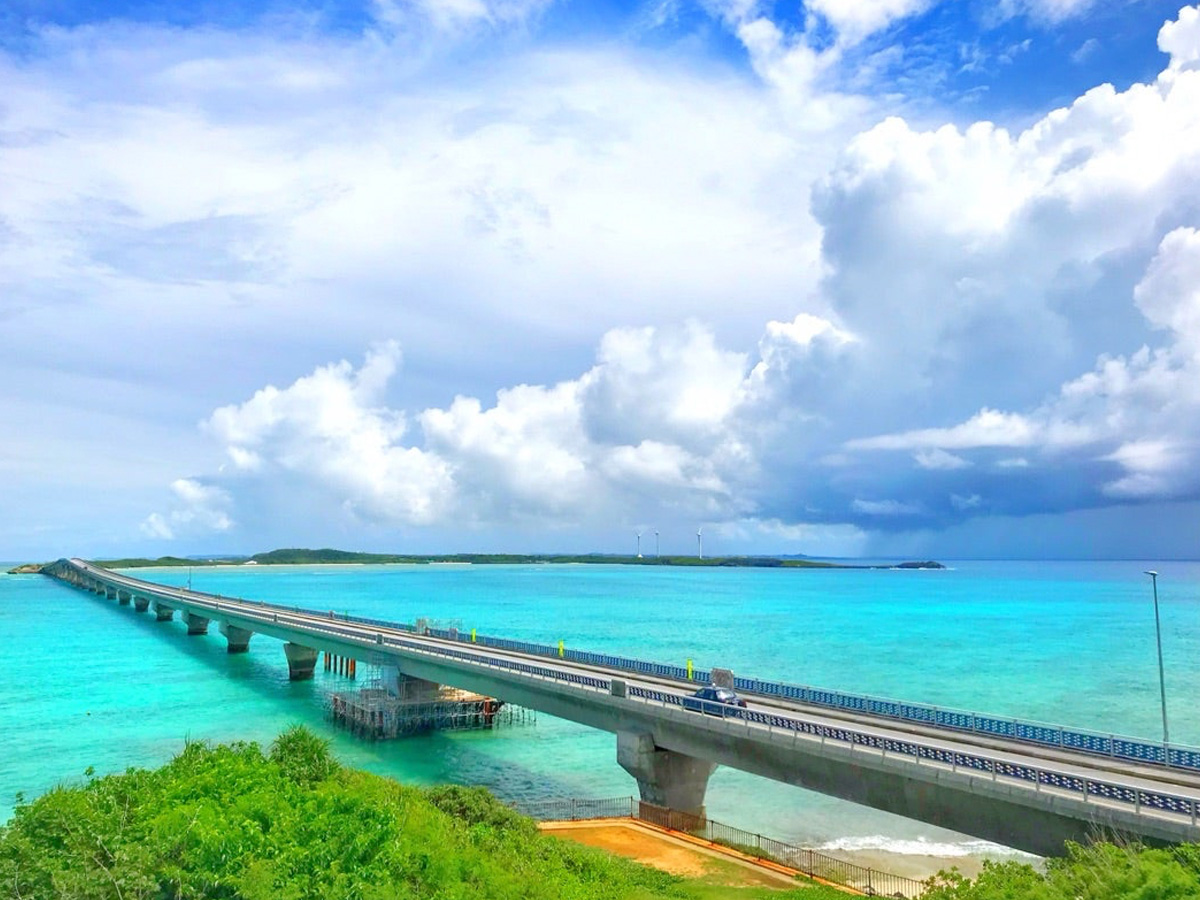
<point x="166" y="562"/>
<point x="298" y="556"/>
<point x="232" y="823"/>
<point x="292" y="824"/>
<point x="26" y="569"/>
<point x="1096" y="872"/>
<point x="301" y="557"/>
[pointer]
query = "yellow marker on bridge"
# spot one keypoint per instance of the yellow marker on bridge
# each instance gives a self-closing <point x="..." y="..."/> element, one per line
<point x="472" y="635"/>
<point x="560" y="649"/>
<point x="689" y="667"/>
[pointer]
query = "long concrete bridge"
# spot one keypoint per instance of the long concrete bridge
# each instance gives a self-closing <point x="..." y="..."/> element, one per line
<point x="1023" y="785"/>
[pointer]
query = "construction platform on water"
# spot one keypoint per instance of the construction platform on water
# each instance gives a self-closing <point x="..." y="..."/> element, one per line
<point x="391" y="705"/>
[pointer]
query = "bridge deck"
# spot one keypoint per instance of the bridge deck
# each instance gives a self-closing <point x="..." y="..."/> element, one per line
<point x="1150" y="800"/>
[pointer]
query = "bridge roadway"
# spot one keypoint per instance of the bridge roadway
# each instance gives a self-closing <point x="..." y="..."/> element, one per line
<point x="1030" y="797"/>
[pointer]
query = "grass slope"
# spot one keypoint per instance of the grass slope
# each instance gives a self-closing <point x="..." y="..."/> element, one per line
<point x="291" y="824"/>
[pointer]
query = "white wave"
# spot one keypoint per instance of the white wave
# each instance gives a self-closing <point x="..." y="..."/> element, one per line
<point x="921" y="847"/>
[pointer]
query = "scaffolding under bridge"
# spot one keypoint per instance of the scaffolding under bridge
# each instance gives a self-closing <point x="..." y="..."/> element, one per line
<point x="390" y="706"/>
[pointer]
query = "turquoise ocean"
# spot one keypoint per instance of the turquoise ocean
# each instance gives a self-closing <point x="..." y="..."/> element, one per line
<point x="89" y="683"/>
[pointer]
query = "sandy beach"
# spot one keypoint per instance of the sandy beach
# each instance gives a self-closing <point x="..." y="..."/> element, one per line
<point x="910" y="865"/>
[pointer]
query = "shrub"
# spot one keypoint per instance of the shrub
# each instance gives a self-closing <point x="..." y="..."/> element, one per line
<point x="304" y="757"/>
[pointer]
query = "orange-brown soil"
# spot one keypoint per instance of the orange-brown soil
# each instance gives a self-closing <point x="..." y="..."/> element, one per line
<point x="655" y="848"/>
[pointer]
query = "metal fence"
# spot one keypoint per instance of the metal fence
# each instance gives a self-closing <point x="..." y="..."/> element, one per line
<point x="812" y="863"/>
<point x="1040" y="777"/>
<point x="1037" y="777"/>
<point x="1093" y="743"/>
<point x="1078" y="740"/>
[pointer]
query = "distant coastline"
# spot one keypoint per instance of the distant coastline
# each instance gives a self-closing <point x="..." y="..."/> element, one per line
<point x="302" y="557"/>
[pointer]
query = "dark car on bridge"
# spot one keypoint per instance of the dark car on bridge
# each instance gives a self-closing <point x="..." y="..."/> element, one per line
<point x="712" y="699"/>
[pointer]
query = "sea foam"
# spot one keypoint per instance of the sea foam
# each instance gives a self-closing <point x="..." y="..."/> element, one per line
<point x="921" y="847"/>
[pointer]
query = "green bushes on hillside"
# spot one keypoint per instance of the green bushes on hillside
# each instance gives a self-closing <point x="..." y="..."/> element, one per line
<point x="233" y="822"/>
<point x="1095" y="872"/>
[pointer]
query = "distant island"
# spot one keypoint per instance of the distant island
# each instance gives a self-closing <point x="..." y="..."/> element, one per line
<point x="26" y="569"/>
<point x="301" y="557"/>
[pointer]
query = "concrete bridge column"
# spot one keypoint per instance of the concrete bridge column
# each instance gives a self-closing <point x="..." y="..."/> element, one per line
<point x="123" y="597"/>
<point x="195" y="624"/>
<point x="301" y="661"/>
<point x="140" y="603"/>
<point x="238" y="638"/>
<point x="664" y="777"/>
<point x="96" y="587"/>
<point x="110" y="593"/>
<point x="162" y="612"/>
<point x="410" y="688"/>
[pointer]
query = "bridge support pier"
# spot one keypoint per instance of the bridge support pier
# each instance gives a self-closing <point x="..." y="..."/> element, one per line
<point x="664" y="777"/>
<point x="301" y="661"/>
<point x="196" y="624"/>
<point x="123" y="597"/>
<point x="140" y="603"/>
<point x="410" y="688"/>
<point x="163" y="613"/>
<point x="110" y="593"/>
<point x="238" y="638"/>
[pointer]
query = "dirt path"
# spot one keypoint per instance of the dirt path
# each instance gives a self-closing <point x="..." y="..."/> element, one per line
<point x="680" y="857"/>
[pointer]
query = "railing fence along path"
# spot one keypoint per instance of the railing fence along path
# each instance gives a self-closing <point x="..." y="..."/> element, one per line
<point x="812" y="863"/>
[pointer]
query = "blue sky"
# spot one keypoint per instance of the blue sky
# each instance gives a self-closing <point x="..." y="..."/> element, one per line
<point x="881" y="277"/>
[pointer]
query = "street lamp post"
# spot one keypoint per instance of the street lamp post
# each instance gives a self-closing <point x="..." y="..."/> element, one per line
<point x="1162" y="683"/>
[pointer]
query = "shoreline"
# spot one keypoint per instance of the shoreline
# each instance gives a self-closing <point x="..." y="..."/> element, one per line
<point x="273" y="559"/>
<point x="916" y="866"/>
<point x="922" y="866"/>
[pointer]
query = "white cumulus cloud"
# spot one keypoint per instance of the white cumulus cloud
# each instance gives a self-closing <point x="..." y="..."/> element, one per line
<point x="1181" y="38"/>
<point x="987" y="428"/>
<point x="331" y="428"/>
<point x="856" y="19"/>
<point x="937" y="458"/>
<point x="197" y="508"/>
<point x="961" y="320"/>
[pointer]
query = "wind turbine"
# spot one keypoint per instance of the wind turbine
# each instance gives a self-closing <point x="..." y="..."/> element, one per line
<point x="639" y="545"/>
<point x="700" y="541"/>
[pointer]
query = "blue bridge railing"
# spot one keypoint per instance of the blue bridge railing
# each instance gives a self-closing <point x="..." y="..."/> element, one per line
<point x="1039" y="733"/>
<point x="1085" y="787"/>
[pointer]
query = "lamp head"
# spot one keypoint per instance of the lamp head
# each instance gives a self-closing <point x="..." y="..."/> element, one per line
<point x="1151" y="573"/>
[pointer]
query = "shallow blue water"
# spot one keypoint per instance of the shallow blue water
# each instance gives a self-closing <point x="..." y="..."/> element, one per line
<point x="87" y="682"/>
